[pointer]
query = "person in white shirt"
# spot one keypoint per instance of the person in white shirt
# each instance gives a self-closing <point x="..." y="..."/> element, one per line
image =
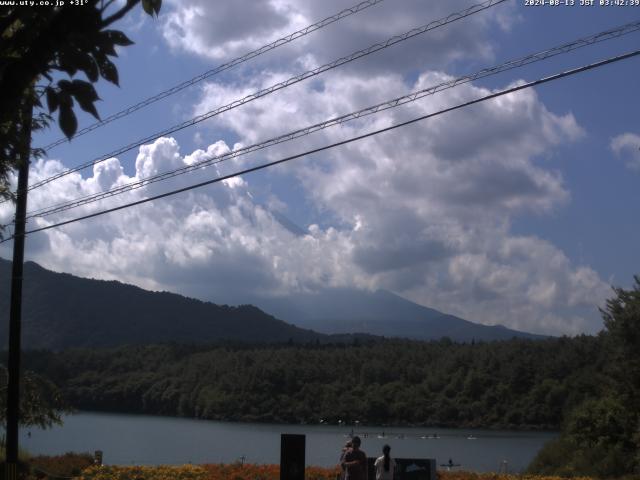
<point x="385" y="466"/>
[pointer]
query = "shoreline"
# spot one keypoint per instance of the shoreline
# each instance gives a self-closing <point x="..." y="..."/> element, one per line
<point x="493" y="428"/>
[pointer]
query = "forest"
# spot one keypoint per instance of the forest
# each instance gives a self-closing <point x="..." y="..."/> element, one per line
<point x="513" y="384"/>
<point x="587" y="387"/>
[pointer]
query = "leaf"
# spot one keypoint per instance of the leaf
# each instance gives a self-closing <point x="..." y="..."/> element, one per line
<point x="106" y="45"/>
<point x="147" y="6"/>
<point x="73" y="59"/>
<point x="109" y="71"/>
<point x="84" y="89"/>
<point x="85" y="95"/>
<point x="88" y="107"/>
<point x="64" y="86"/>
<point x="152" y="6"/>
<point x="117" y="38"/>
<point x="75" y="56"/>
<point x="66" y="62"/>
<point x="87" y="64"/>
<point x="67" y="120"/>
<point x="91" y="69"/>
<point x="52" y="99"/>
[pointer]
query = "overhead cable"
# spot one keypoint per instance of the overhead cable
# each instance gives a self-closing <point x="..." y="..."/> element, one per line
<point x="221" y="68"/>
<point x="343" y="142"/>
<point x="279" y="86"/>
<point x="411" y="97"/>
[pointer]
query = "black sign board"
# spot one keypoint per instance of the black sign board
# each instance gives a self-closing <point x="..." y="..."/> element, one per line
<point x="292" y="457"/>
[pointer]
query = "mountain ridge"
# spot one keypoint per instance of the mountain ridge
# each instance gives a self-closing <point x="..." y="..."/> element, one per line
<point x="61" y="311"/>
<point x="340" y="311"/>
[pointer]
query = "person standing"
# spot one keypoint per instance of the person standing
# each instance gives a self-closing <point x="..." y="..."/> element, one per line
<point x="385" y="466"/>
<point x="347" y="448"/>
<point x="355" y="462"/>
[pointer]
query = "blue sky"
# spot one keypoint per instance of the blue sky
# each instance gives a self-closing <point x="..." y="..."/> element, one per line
<point x="518" y="211"/>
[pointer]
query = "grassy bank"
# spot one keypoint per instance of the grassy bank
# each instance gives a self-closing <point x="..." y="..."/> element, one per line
<point x="258" y="472"/>
<point x="78" y="466"/>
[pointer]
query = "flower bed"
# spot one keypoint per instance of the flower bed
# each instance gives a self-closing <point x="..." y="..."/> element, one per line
<point x="237" y="471"/>
<point x="497" y="476"/>
<point x="200" y="472"/>
<point x="66" y="465"/>
<point x="162" y="472"/>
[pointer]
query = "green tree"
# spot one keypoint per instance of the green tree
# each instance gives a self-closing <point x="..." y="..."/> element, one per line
<point x="622" y="321"/>
<point x="41" y="402"/>
<point x="596" y="442"/>
<point x="601" y="436"/>
<point x="42" y="44"/>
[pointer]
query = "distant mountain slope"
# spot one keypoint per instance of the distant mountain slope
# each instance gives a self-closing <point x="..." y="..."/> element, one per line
<point x="61" y="311"/>
<point x="379" y="313"/>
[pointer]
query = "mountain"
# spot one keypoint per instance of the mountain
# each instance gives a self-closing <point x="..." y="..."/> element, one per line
<point x="61" y="311"/>
<point x="342" y="310"/>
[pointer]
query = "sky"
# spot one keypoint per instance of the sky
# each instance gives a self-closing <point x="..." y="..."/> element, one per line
<point x="518" y="211"/>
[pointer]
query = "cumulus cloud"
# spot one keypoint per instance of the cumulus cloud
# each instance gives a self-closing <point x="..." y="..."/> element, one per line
<point x="225" y="30"/>
<point x="432" y="200"/>
<point x="222" y="32"/>
<point x="411" y="215"/>
<point x="627" y="145"/>
<point x="213" y="243"/>
<point x="472" y="159"/>
<point x="424" y="211"/>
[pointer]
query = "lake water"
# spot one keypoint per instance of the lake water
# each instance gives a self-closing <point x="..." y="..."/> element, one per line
<point x="141" y="439"/>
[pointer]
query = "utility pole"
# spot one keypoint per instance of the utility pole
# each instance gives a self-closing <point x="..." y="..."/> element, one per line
<point x="15" y="313"/>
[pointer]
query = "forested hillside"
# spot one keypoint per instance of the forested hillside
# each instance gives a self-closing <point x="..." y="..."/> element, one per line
<point x="518" y="383"/>
<point x="63" y="311"/>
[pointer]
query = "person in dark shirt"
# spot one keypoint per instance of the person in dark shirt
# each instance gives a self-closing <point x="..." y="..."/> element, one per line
<point x="343" y="454"/>
<point x="355" y="462"/>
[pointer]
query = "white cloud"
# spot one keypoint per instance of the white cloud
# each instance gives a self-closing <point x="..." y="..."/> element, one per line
<point x="429" y="201"/>
<point x="424" y="211"/>
<point x="225" y="31"/>
<point x="627" y="145"/>
<point x="412" y="215"/>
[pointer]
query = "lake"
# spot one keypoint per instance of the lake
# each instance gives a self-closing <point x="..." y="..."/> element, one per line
<point x="142" y="439"/>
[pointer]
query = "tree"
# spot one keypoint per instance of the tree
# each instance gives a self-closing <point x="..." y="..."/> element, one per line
<point x="39" y="42"/>
<point x="601" y="436"/>
<point x="42" y="403"/>
<point x="622" y="321"/>
<point x="44" y="43"/>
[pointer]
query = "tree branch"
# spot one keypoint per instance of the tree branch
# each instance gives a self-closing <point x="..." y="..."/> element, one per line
<point x="120" y="13"/>
<point x="104" y="6"/>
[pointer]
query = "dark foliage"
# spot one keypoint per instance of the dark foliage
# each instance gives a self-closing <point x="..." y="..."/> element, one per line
<point x="601" y="437"/>
<point x="40" y="45"/>
<point x="59" y="466"/>
<point x="41" y="402"/>
<point x="62" y="311"/>
<point x="513" y="384"/>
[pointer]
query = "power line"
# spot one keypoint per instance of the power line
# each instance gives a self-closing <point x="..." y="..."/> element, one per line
<point x="278" y="86"/>
<point x="344" y="142"/>
<point x="411" y="97"/>
<point x="221" y="68"/>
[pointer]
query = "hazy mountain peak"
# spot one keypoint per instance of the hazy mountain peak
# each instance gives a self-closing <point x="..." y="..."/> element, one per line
<point x="61" y="310"/>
